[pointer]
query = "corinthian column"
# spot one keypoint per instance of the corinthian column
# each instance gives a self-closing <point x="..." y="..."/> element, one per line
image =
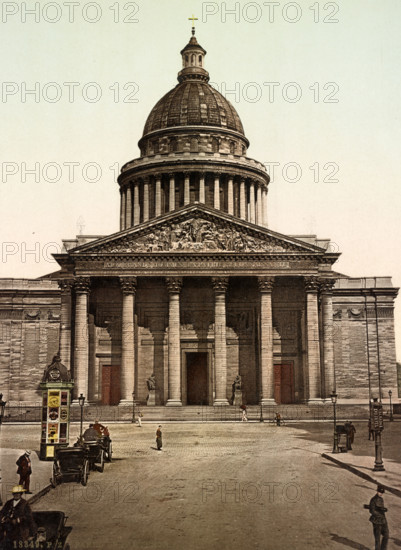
<point x="145" y="199"/>
<point x="174" y="285"/>
<point x="259" y="219"/>
<point x="123" y="206"/>
<point x="171" y="205"/>
<point x="81" y="351"/>
<point x="312" y="337"/>
<point x="326" y="289"/>
<point x="202" y="187"/>
<point x="137" y="206"/>
<point x="65" y="322"/>
<point x="230" y="190"/>
<point x="220" y="285"/>
<point x="266" y="341"/>
<point x="264" y="207"/>
<point x="127" y="376"/>
<point x="128" y="208"/>
<point x="217" y="191"/>
<point x="158" y="195"/>
<point x="186" y="188"/>
<point x="242" y="200"/>
<point x="252" y="215"/>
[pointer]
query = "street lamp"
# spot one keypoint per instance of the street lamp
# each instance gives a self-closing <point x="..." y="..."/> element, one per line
<point x="133" y="407"/>
<point x="390" y="393"/>
<point x="2" y="407"/>
<point x="333" y="396"/>
<point x="81" y="401"/>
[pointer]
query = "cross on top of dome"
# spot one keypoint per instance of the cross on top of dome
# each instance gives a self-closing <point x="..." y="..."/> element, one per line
<point x="193" y="19"/>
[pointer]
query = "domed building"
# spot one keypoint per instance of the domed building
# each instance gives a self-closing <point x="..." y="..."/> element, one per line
<point x="195" y="291"/>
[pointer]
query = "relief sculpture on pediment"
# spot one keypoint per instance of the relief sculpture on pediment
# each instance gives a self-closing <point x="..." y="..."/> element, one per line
<point x="196" y="235"/>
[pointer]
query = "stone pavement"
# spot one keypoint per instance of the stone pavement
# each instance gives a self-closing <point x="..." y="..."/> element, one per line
<point x="360" y="460"/>
<point x="15" y="438"/>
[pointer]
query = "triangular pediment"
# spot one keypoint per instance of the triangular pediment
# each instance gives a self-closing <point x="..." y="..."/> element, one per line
<point x="197" y="229"/>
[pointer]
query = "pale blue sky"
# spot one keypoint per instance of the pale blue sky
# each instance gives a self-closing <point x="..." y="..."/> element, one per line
<point x="359" y="54"/>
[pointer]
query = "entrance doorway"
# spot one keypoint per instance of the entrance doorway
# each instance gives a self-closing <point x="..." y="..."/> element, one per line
<point x="284" y="383"/>
<point x="197" y="393"/>
<point x="110" y="384"/>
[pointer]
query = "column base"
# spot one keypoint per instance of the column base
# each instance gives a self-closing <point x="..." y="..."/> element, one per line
<point x="267" y="401"/>
<point x="126" y="402"/>
<point x="173" y="403"/>
<point x="315" y="401"/>
<point x="220" y="402"/>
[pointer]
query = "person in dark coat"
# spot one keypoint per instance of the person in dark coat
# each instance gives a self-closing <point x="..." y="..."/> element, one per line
<point x="159" y="442"/>
<point x="378" y="519"/>
<point x="16" y="521"/>
<point x="24" y="470"/>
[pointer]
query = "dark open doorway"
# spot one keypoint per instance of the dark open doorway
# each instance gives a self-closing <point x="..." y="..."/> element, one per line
<point x="197" y="393"/>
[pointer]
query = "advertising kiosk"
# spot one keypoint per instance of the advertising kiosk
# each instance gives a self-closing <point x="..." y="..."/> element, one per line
<point x="56" y="389"/>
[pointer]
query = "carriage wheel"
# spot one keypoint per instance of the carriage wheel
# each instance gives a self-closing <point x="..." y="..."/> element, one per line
<point x="109" y="452"/>
<point x="101" y="467"/>
<point x="53" y="480"/>
<point x="85" y="474"/>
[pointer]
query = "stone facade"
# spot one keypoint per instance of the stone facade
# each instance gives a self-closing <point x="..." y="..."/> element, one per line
<point x="194" y="288"/>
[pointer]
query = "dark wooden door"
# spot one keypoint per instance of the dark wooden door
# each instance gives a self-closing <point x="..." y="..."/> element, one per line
<point x="197" y="379"/>
<point x="110" y="384"/>
<point x="284" y="383"/>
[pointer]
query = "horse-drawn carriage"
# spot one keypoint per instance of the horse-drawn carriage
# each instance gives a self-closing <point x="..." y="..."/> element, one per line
<point x="69" y="464"/>
<point x="52" y="531"/>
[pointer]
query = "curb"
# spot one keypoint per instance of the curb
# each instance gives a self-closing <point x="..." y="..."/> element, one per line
<point x="363" y="475"/>
<point x="39" y="494"/>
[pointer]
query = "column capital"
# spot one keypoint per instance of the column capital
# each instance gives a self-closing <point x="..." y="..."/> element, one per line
<point x="158" y="175"/>
<point x="326" y="285"/>
<point x="171" y="175"/>
<point x="220" y="284"/>
<point x="82" y="284"/>
<point x="174" y="284"/>
<point x="311" y="284"/>
<point x="66" y="285"/>
<point x="266" y="284"/>
<point x="128" y="285"/>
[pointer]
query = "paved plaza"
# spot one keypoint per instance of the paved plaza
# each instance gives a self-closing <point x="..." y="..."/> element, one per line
<point x="217" y="486"/>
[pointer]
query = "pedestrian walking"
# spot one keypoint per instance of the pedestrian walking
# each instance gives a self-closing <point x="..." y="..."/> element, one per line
<point x="17" y="525"/>
<point x="24" y="470"/>
<point x="159" y="442"/>
<point x="378" y="519"/>
<point x="278" y="418"/>
<point x="140" y="415"/>
<point x="244" y="415"/>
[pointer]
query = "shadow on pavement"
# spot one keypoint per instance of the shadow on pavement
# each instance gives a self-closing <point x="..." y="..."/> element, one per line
<point x="348" y="542"/>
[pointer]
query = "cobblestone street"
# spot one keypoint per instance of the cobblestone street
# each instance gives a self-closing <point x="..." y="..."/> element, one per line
<point x="219" y="486"/>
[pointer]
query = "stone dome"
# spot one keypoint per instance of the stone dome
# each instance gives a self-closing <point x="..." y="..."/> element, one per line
<point x="193" y="103"/>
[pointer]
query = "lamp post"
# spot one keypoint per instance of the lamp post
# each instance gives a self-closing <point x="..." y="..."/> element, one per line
<point x="2" y="407"/>
<point x="81" y="401"/>
<point x="333" y="396"/>
<point x="133" y="407"/>
<point x="377" y="423"/>
<point x="390" y="393"/>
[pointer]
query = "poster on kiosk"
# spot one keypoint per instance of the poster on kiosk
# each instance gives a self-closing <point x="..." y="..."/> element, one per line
<point x="56" y="389"/>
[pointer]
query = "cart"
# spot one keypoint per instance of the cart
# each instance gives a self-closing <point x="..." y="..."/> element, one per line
<point x="69" y="464"/>
<point x="52" y="531"/>
<point x="95" y="454"/>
